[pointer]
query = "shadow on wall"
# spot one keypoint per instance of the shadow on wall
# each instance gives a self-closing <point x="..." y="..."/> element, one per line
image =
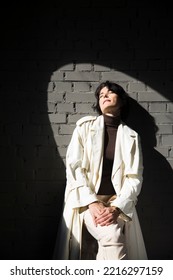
<point x="155" y="206"/>
<point x="32" y="173"/>
<point x="38" y="42"/>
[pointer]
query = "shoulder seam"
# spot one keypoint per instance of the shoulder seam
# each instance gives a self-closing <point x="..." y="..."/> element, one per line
<point x="85" y="119"/>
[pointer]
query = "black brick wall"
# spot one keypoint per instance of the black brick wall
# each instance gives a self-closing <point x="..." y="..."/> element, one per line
<point x="52" y="58"/>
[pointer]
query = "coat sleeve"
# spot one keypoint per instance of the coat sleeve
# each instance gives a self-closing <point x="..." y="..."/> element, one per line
<point x="131" y="182"/>
<point x="78" y="192"/>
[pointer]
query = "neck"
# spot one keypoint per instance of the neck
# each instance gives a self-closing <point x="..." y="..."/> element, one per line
<point x="113" y="114"/>
<point x="111" y="120"/>
<point x="109" y="114"/>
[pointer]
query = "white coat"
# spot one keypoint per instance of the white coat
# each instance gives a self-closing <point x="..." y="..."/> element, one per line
<point x="84" y="161"/>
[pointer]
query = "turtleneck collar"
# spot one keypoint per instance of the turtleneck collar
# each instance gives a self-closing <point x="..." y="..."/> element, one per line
<point x="113" y="121"/>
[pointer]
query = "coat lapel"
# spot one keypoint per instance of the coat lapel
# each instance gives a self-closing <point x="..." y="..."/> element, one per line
<point x="97" y="142"/>
<point x="118" y="153"/>
<point x="124" y="144"/>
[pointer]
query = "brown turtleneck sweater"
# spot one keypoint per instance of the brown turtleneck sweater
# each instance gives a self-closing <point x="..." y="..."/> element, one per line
<point x="111" y="126"/>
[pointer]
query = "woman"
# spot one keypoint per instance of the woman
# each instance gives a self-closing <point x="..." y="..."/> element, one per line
<point x="104" y="177"/>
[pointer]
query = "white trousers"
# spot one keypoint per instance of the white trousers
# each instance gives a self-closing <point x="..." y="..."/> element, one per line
<point x="111" y="240"/>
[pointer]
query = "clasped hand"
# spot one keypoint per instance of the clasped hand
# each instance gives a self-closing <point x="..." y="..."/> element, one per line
<point x="103" y="215"/>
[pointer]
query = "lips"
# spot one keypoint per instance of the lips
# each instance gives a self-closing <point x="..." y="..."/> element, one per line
<point x="106" y="101"/>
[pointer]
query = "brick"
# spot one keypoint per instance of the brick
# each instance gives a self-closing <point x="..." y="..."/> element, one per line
<point x="54" y="129"/>
<point x="144" y="105"/>
<point x="169" y="64"/>
<point x="39" y="162"/>
<point x="57" y="118"/>
<point x="14" y="75"/>
<point x="84" y="108"/>
<point x="61" y="140"/>
<point x="66" y="129"/>
<point x="83" y="67"/>
<point x="46" y="152"/>
<point x="25" y="197"/>
<point x="25" y="174"/>
<point x="65" y="107"/>
<point x="47" y="174"/>
<point x="39" y="186"/>
<point x="152" y="54"/>
<point x="7" y="151"/>
<point x="12" y="212"/>
<point x="49" y="107"/>
<point x="62" y="87"/>
<point x="139" y="64"/>
<point x="1" y="128"/>
<point x="45" y="198"/>
<point x="167" y="140"/>
<point x="101" y="68"/>
<point x="27" y="152"/>
<point x="13" y="129"/>
<point x="46" y="54"/>
<point x="136" y="87"/>
<point x="163" y="118"/>
<point x="5" y="140"/>
<point x="62" y="151"/>
<point x="72" y="119"/>
<point x="123" y="64"/>
<point x="14" y="117"/>
<point x="49" y="129"/>
<point x="170" y="107"/>
<point x="7" y="198"/>
<point x="156" y="64"/>
<point x="30" y="129"/>
<point x="10" y="162"/>
<point x="157" y="107"/>
<point x="13" y="185"/>
<point x="67" y="67"/>
<point x="165" y="129"/>
<point x="133" y="95"/>
<point x="29" y="141"/>
<point x="47" y="65"/>
<point x="171" y="165"/>
<point x="107" y="55"/>
<point x="57" y="76"/>
<point x="40" y="119"/>
<point x="163" y="150"/>
<point x="49" y="86"/>
<point x="151" y="96"/>
<point x="82" y="76"/>
<point x="81" y="86"/>
<point x="73" y="55"/>
<point x="117" y="76"/>
<point x="171" y="153"/>
<point x="100" y="44"/>
<point x="80" y="97"/>
<point x="55" y="96"/>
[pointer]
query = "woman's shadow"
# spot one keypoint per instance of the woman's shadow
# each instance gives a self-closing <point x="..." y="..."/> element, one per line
<point x="155" y="205"/>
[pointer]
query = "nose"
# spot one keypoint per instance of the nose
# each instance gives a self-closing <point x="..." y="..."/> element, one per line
<point x="106" y="94"/>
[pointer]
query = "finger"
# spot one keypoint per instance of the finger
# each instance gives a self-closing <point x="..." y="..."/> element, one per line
<point x="106" y="223"/>
<point x="94" y="220"/>
<point x="104" y="220"/>
<point x="104" y="216"/>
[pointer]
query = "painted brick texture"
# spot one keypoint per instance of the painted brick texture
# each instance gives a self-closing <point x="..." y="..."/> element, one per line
<point x="51" y="63"/>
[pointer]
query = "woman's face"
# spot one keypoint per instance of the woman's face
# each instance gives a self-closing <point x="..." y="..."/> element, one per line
<point x="109" y="101"/>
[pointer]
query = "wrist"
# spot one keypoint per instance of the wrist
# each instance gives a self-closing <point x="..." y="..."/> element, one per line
<point x="116" y="209"/>
<point x="92" y="204"/>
